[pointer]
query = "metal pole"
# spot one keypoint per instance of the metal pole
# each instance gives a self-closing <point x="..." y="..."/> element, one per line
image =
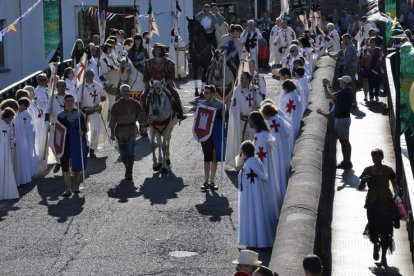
<point x="61" y="38"/>
<point x="223" y="113"/>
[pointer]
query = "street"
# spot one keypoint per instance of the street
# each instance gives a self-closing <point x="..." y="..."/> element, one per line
<point x="159" y="224"/>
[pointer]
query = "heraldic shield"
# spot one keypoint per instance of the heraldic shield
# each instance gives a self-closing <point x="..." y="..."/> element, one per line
<point x="59" y="139"/>
<point x="203" y="122"/>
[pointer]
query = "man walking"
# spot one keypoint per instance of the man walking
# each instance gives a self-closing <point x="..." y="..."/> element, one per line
<point x="124" y="114"/>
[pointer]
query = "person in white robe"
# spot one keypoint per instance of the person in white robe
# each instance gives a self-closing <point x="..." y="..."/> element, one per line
<point x="177" y="53"/>
<point x="257" y="217"/>
<point x="363" y="32"/>
<point x="40" y="118"/>
<point x="275" y="57"/>
<point x="266" y="150"/>
<point x="332" y="39"/>
<point x="69" y="78"/>
<point x="109" y="74"/>
<point x="304" y="85"/>
<point x="93" y="62"/>
<point x="12" y="103"/>
<point x="287" y="61"/>
<point x="319" y="42"/>
<point x="250" y="39"/>
<point x="291" y="105"/>
<point x="26" y="159"/>
<point x="284" y="38"/>
<point x="91" y="104"/>
<point x="8" y="186"/>
<point x="58" y="105"/>
<point x="245" y="99"/>
<point x="280" y="128"/>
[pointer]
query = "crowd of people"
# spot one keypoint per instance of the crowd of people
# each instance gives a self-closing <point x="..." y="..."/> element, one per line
<point x="260" y="133"/>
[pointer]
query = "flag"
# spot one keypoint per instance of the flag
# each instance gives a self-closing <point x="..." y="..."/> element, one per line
<point x="284" y="7"/>
<point x="152" y="23"/>
<point x="305" y="22"/>
<point x="103" y="7"/>
<point x="12" y="27"/>
<point x="406" y="80"/>
<point x="81" y="69"/>
<point x="178" y="10"/>
<point x="394" y="23"/>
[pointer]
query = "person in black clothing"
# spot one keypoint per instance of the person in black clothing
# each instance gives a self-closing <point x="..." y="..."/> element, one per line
<point x="77" y="52"/>
<point x="138" y="54"/>
<point x="342" y="115"/>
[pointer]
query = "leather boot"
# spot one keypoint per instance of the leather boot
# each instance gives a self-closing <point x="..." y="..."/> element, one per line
<point x="92" y="153"/>
<point x="66" y="180"/>
<point x="76" y="176"/>
<point x="129" y="163"/>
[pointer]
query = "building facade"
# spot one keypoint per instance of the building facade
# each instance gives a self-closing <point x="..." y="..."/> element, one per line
<point x="22" y="52"/>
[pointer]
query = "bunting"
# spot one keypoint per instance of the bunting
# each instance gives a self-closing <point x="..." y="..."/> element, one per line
<point x="12" y="26"/>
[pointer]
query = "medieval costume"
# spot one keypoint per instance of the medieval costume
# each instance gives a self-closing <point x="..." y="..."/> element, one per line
<point x="8" y="187"/>
<point x="257" y="216"/>
<point x="234" y="51"/>
<point x="91" y="104"/>
<point x="75" y="149"/>
<point x="26" y="158"/>
<point x="332" y="41"/>
<point x="124" y="115"/>
<point x="275" y="56"/>
<point x="41" y="115"/>
<point x="109" y="75"/>
<point x="283" y="40"/>
<point x="290" y="104"/>
<point x="244" y="101"/>
<point x="250" y="39"/>
<point x="304" y="88"/>
<point x="58" y="105"/>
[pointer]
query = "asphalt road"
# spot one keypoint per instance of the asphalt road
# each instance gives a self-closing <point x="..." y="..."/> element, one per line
<point x="159" y="224"/>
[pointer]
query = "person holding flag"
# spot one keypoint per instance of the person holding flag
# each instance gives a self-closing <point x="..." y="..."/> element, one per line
<point x="75" y="125"/>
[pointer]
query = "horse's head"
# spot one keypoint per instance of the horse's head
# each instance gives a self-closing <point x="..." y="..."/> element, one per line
<point x="158" y="101"/>
<point x="217" y="55"/>
<point x="124" y="65"/>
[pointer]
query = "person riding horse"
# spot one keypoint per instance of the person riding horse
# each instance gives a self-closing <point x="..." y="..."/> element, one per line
<point x="158" y="68"/>
<point x="233" y="46"/>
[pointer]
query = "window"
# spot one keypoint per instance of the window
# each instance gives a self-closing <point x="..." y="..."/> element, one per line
<point x="2" y="25"/>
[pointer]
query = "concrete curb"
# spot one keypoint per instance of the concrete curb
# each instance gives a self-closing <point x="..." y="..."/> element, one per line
<point x="296" y="231"/>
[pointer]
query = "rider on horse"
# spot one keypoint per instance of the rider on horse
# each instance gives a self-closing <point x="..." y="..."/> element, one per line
<point x="158" y="68"/>
<point x="233" y="46"/>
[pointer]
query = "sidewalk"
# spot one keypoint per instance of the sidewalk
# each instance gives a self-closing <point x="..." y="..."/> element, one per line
<point x="351" y="252"/>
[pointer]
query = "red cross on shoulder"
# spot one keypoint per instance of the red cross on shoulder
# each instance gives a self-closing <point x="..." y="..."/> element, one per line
<point x="275" y="125"/>
<point x="261" y="154"/>
<point x="251" y="175"/>
<point x="290" y="106"/>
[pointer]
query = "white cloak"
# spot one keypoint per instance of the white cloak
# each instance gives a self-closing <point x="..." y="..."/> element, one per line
<point x="284" y="39"/>
<point x="8" y="187"/>
<point x="281" y="130"/>
<point x="26" y="159"/>
<point x="40" y="108"/>
<point x="244" y="101"/>
<point x="275" y="57"/>
<point x="266" y="150"/>
<point x="291" y="105"/>
<point x="305" y="87"/>
<point x="257" y="217"/>
<point x="333" y="41"/>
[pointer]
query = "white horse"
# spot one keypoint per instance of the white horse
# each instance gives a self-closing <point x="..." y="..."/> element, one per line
<point x="162" y="120"/>
<point x="131" y="76"/>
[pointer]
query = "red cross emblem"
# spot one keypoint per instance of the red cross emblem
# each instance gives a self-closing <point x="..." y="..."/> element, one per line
<point x="275" y="125"/>
<point x="251" y="175"/>
<point x="262" y="154"/>
<point x="249" y="99"/>
<point x="94" y="95"/>
<point x="285" y="36"/>
<point x="290" y="105"/>
<point x="293" y="35"/>
<point x="332" y="36"/>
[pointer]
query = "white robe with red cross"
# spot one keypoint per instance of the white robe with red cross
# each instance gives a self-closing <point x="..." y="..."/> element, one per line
<point x="266" y="150"/>
<point x="244" y="101"/>
<point x="257" y="217"/>
<point x="333" y="41"/>
<point x="290" y="104"/>
<point x="280" y="128"/>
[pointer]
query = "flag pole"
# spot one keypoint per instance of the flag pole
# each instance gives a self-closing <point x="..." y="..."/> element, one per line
<point x="79" y="123"/>
<point x="223" y="113"/>
<point x="53" y="71"/>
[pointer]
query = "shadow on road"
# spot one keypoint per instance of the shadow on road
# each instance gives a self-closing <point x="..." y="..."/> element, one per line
<point x="161" y="187"/>
<point x="6" y="207"/>
<point x="232" y="175"/>
<point x="215" y="206"/>
<point x="349" y="179"/>
<point x="142" y="148"/>
<point x="124" y="191"/>
<point x="389" y="271"/>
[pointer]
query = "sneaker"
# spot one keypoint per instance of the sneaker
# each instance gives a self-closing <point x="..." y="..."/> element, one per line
<point x="204" y="186"/>
<point x="213" y="186"/>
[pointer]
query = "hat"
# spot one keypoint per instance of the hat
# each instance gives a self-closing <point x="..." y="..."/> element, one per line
<point x="207" y="6"/>
<point x="248" y="257"/>
<point x="160" y="45"/>
<point x="346" y="79"/>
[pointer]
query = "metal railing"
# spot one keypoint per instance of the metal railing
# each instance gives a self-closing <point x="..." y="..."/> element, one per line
<point x="10" y="90"/>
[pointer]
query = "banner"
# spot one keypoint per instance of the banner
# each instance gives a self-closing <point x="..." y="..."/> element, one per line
<point x="51" y="26"/>
<point x="103" y="7"/>
<point x="406" y="81"/>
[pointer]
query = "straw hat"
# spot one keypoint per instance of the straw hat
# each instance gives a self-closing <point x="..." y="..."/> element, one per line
<point x="248" y="257"/>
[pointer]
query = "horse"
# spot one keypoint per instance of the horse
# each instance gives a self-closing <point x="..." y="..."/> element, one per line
<point x="215" y="77"/>
<point x="135" y="79"/>
<point x="162" y="119"/>
<point x="200" y="51"/>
